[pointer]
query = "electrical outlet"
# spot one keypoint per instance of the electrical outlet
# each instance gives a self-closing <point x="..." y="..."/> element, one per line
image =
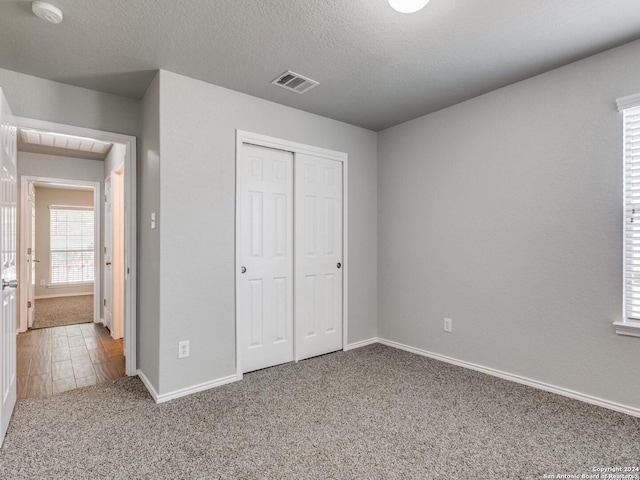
<point x="183" y="349"/>
<point x="42" y="283"/>
<point x="448" y="325"/>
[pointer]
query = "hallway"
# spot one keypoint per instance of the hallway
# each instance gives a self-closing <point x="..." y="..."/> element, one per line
<point x="55" y="360"/>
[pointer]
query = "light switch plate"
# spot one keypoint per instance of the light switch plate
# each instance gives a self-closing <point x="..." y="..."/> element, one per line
<point x="183" y="349"/>
<point x="448" y="325"/>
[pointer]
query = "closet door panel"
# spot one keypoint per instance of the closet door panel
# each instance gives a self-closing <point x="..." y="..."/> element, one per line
<point x="264" y="283"/>
<point x="318" y="255"/>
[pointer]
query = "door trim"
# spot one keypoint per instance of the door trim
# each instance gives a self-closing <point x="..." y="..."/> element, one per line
<point x="130" y="201"/>
<point x="260" y="140"/>
<point x="25" y="180"/>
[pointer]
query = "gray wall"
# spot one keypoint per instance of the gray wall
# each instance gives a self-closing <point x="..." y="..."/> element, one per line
<point x="41" y="99"/>
<point x="505" y="214"/>
<point x="197" y="185"/>
<point x="148" y="326"/>
<point x="45" y="197"/>
<point x="53" y="166"/>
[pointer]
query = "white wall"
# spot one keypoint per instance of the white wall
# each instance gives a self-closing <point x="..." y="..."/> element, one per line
<point x="505" y="214"/>
<point x="148" y="325"/>
<point x="197" y="192"/>
<point x="45" y="197"/>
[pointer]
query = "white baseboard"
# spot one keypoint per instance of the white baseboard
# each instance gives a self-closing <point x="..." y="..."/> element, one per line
<point x="148" y="386"/>
<point x="165" y="397"/>
<point x="361" y="343"/>
<point x="633" y="411"/>
<point x="56" y="295"/>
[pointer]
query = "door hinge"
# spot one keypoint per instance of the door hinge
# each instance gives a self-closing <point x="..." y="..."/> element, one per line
<point x="104" y="302"/>
<point x="128" y="270"/>
<point x="28" y="304"/>
<point x="29" y="251"/>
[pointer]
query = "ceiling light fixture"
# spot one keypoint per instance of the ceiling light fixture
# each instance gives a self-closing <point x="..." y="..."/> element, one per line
<point x="408" y="6"/>
<point x="46" y="11"/>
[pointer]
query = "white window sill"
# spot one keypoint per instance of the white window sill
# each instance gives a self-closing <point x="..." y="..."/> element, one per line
<point x="629" y="327"/>
<point x="70" y="285"/>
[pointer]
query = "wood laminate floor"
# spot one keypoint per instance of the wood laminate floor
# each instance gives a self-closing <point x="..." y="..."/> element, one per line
<point x="54" y="360"/>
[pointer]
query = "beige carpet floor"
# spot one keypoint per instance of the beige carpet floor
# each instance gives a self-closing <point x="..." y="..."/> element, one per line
<point x="56" y="312"/>
<point x="374" y="413"/>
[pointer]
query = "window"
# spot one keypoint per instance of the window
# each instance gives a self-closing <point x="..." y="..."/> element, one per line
<point x="72" y="245"/>
<point x="630" y="107"/>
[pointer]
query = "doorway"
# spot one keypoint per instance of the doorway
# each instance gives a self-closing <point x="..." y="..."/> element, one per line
<point x="76" y="298"/>
<point x="121" y="158"/>
<point x="67" y="343"/>
<point x="60" y="245"/>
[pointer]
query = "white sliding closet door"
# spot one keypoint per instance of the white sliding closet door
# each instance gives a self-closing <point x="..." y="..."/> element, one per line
<point x="265" y="280"/>
<point x="318" y="255"/>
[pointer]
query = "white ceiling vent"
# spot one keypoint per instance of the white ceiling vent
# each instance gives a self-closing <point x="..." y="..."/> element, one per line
<point x="294" y="82"/>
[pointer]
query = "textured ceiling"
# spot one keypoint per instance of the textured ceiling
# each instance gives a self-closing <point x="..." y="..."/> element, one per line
<point x="376" y="67"/>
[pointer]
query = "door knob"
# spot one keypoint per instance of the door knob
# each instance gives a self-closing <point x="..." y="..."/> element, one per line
<point x="243" y="270"/>
<point x="339" y="265"/>
<point x="10" y="284"/>
<point x="108" y="263"/>
<point x="35" y="260"/>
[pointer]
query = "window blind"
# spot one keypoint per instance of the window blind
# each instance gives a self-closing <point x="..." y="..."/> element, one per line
<point x="72" y="245"/>
<point x="632" y="211"/>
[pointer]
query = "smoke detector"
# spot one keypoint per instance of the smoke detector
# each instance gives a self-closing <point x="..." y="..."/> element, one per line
<point x="47" y="12"/>
<point x="408" y="6"/>
<point x="295" y="82"/>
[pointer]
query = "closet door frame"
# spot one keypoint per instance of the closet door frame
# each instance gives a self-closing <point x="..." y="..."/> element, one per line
<point x="244" y="137"/>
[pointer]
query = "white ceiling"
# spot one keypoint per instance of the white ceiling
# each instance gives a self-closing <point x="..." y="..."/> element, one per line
<point x="376" y="67"/>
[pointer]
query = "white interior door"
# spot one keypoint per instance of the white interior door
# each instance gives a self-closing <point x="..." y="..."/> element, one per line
<point x="108" y="255"/>
<point x="32" y="260"/>
<point x="264" y="280"/>
<point x="8" y="245"/>
<point x="318" y="255"/>
<point x="117" y="247"/>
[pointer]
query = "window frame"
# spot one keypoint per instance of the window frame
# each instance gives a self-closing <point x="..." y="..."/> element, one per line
<point x="626" y="326"/>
